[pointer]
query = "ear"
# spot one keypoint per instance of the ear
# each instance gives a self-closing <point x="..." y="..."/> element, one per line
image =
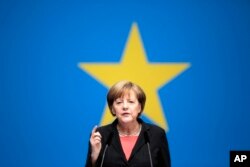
<point x="139" y="111"/>
<point x="113" y="111"/>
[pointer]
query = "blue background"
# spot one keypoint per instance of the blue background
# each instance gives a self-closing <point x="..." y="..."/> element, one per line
<point x="48" y="105"/>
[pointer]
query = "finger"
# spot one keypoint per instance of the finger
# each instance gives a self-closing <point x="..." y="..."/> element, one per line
<point x="94" y="129"/>
<point x="97" y="138"/>
<point x="96" y="134"/>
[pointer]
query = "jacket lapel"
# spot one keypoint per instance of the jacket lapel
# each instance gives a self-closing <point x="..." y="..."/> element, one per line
<point x="116" y="143"/>
<point x="140" y="141"/>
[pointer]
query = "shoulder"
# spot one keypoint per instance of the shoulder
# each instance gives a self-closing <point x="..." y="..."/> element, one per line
<point x="154" y="129"/>
<point x="156" y="135"/>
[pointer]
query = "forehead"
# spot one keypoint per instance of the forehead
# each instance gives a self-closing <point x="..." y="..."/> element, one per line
<point x="129" y="93"/>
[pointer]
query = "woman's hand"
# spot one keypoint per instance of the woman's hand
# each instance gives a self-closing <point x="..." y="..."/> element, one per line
<point x="96" y="144"/>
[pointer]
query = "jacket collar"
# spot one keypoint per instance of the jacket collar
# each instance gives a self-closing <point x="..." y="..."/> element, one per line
<point x="139" y="143"/>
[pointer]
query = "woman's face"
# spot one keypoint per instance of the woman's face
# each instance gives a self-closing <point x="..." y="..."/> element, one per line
<point x="126" y="108"/>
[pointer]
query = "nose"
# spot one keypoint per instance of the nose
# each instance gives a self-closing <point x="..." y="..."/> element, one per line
<point x="125" y="105"/>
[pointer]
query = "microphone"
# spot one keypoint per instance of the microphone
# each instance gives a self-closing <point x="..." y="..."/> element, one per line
<point x="106" y="146"/>
<point x="148" y="145"/>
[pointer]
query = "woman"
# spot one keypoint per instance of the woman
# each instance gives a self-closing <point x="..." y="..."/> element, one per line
<point x="128" y="141"/>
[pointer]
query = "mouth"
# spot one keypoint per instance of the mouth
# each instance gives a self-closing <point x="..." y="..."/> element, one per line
<point x="126" y="114"/>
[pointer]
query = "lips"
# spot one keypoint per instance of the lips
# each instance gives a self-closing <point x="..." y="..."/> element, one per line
<point x="125" y="114"/>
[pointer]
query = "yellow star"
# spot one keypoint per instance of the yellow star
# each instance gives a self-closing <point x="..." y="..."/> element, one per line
<point x="135" y="67"/>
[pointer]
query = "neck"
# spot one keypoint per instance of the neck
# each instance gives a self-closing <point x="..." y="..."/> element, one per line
<point x="132" y="129"/>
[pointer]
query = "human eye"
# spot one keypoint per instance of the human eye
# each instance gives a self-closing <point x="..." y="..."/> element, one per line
<point x="131" y="101"/>
<point x="118" y="101"/>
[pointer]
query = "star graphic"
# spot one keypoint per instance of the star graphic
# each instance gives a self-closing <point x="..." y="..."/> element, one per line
<point x="135" y="67"/>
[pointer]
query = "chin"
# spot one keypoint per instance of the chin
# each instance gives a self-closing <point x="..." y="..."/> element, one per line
<point x="126" y="120"/>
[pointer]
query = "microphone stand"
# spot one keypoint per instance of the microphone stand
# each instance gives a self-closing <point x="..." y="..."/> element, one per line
<point x="106" y="147"/>
<point x="149" y="151"/>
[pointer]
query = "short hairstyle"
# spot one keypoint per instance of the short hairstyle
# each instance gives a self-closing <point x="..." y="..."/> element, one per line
<point x="123" y="87"/>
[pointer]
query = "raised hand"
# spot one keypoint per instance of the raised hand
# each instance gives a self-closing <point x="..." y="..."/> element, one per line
<point x="96" y="144"/>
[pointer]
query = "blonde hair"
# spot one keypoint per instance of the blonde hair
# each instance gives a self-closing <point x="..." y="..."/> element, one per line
<point x="123" y="87"/>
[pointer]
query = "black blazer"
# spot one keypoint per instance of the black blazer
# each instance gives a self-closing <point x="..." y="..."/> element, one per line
<point x="140" y="156"/>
